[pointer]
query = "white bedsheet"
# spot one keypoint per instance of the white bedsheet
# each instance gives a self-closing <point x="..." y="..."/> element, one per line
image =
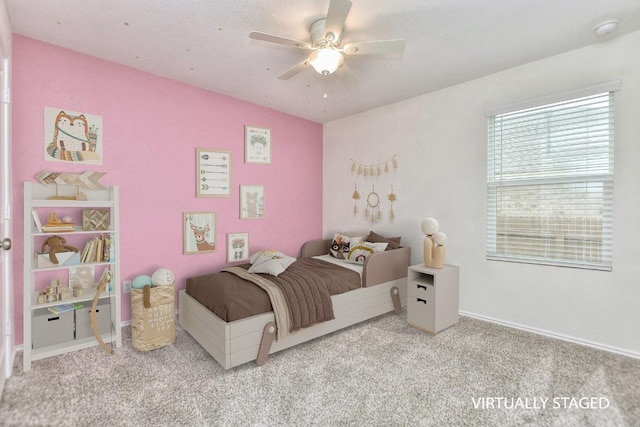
<point x="341" y="263"/>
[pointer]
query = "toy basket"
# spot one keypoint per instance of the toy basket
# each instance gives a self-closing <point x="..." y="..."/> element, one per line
<point x="153" y="317"/>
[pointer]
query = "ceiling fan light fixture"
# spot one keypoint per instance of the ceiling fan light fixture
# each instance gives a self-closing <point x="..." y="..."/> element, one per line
<point x="326" y="61"/>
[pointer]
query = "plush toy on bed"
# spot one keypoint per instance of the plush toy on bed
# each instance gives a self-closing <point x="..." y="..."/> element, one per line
<point x="270" y="261"/>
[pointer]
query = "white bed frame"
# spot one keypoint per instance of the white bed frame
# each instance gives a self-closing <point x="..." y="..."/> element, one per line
<point x="241" y="341"/>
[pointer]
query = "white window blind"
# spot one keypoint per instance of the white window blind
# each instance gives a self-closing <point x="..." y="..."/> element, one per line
<point x="550" y="183"/>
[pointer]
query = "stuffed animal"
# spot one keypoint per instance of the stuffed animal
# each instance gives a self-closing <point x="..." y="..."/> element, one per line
<point x="57" y="244"/>
<point x="163" y="277"/>
<point x="141" y="281"/>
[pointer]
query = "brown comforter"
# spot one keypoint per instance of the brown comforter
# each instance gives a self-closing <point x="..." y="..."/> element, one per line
<point x="307" y="285"/>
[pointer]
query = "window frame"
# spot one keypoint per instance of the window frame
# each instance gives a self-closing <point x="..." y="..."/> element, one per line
<point x="606" y="180"/>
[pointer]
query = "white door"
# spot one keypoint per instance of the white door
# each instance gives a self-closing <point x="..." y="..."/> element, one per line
<point x="6" y="277"/>
<point x="5" y="254"/>
<point x="6" y="282"/>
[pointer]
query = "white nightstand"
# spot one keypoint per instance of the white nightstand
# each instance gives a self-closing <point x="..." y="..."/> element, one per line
<point x="432" y="297"/>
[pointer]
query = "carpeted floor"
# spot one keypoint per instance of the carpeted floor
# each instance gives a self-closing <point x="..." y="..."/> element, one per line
<point x="378" y="373"/>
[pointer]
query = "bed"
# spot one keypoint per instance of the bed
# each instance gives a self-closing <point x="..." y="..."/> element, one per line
<point x="246" y="337"/>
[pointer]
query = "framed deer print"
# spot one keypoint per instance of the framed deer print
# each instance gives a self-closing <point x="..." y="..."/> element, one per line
<point x="251" y="202"/>
<point x="213" y="173"/>
<point x="199" y="232"/>
<point x="237" y="247"/>
<point x="257" y="145"/>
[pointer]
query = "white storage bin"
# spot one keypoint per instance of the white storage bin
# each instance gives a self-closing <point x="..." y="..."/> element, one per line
<point x="50" y="329"/>
<point x="83" y="321"/>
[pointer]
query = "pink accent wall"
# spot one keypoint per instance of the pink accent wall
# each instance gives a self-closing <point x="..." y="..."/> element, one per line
<point x="152" y="126"/>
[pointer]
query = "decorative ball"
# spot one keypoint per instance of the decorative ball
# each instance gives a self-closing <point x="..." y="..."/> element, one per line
<point x="163" y="277"/>
<point x="140" y="282"/>
<point x="440" y="238"/>
<point x="67" y="219"/>
<point x="429" y="226"/>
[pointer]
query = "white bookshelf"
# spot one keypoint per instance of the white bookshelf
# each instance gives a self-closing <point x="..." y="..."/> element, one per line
<point x="45" y="333"/>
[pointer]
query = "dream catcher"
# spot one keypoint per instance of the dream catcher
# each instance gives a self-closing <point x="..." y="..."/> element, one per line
<point x="372" y="211"/>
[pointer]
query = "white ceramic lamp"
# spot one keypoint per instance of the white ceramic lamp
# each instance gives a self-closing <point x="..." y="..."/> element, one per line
<point x="434" y="241"/>
<point x="429" y="227"/>
<point x="439" y="239"/>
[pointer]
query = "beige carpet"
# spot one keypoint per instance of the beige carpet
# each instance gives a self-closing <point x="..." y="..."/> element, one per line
<point x="378" y="373"/>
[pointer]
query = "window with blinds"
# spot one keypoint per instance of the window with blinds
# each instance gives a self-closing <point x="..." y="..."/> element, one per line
<point x="550" y="183"/>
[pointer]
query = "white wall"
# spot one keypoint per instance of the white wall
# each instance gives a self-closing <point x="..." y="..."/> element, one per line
<point x="440" y="142"/>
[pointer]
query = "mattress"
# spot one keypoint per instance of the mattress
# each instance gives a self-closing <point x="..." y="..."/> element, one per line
<point x="231" y="298"/>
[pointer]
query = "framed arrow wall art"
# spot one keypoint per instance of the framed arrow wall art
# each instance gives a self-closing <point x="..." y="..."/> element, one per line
<point x="213" y="173"/>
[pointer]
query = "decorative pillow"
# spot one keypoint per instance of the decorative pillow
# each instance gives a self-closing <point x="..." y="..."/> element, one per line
<point x="360" y="252"/>
<point x="340" y="244"/>
<point x="270" y="262"/>
<point x="394" y="242"/>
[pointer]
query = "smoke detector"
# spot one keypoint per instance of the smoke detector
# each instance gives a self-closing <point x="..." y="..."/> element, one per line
<point x="605" y="27"/>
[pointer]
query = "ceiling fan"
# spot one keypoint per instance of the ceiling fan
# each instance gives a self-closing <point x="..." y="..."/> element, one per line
<point x="325" y="39"/>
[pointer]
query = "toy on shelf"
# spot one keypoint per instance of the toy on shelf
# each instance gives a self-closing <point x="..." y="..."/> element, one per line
<point x="103" y="285"/>
<point x="55" y="224"/>
<point x="54" y="292"/>
<point x="57" y="244"/>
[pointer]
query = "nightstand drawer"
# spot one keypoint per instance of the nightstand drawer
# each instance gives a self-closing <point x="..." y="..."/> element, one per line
<point x="421" y="290"/>
<point x="421" y="313"/>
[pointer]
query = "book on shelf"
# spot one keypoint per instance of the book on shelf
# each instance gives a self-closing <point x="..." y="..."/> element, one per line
<point x="36" y="220"/>
<point x="106" y="255"/>
<point x="63" y="308"/>
<point x="97" y="250"/>
<point x="57" y="228"/>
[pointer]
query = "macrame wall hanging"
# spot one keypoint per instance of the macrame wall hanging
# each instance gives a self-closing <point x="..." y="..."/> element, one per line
<point x="374" y="169"/>
<point x="392" y="198"/>
<point x="372" y="211"/>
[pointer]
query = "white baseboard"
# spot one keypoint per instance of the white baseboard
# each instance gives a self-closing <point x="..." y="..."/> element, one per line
<point x="555" y="335"/>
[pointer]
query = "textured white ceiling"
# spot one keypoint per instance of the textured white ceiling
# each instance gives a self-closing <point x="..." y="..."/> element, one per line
<point x="206" y="43"/>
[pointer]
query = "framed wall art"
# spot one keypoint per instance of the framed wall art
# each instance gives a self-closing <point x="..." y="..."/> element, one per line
<point x="72" y="137"/>
<point x="213" y="173"/>
<point x="251" y="201"/>
<point x="257" y="145"/>
<point x="199" y="232"/>
<point x="237" y="247"/>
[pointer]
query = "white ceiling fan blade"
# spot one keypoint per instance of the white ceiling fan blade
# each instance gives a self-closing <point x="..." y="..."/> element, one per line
<point x="256" y="35"/>
<point x="294" y="70"/>
<point x="336" y="17"/>
<point x="374" y="47"/>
